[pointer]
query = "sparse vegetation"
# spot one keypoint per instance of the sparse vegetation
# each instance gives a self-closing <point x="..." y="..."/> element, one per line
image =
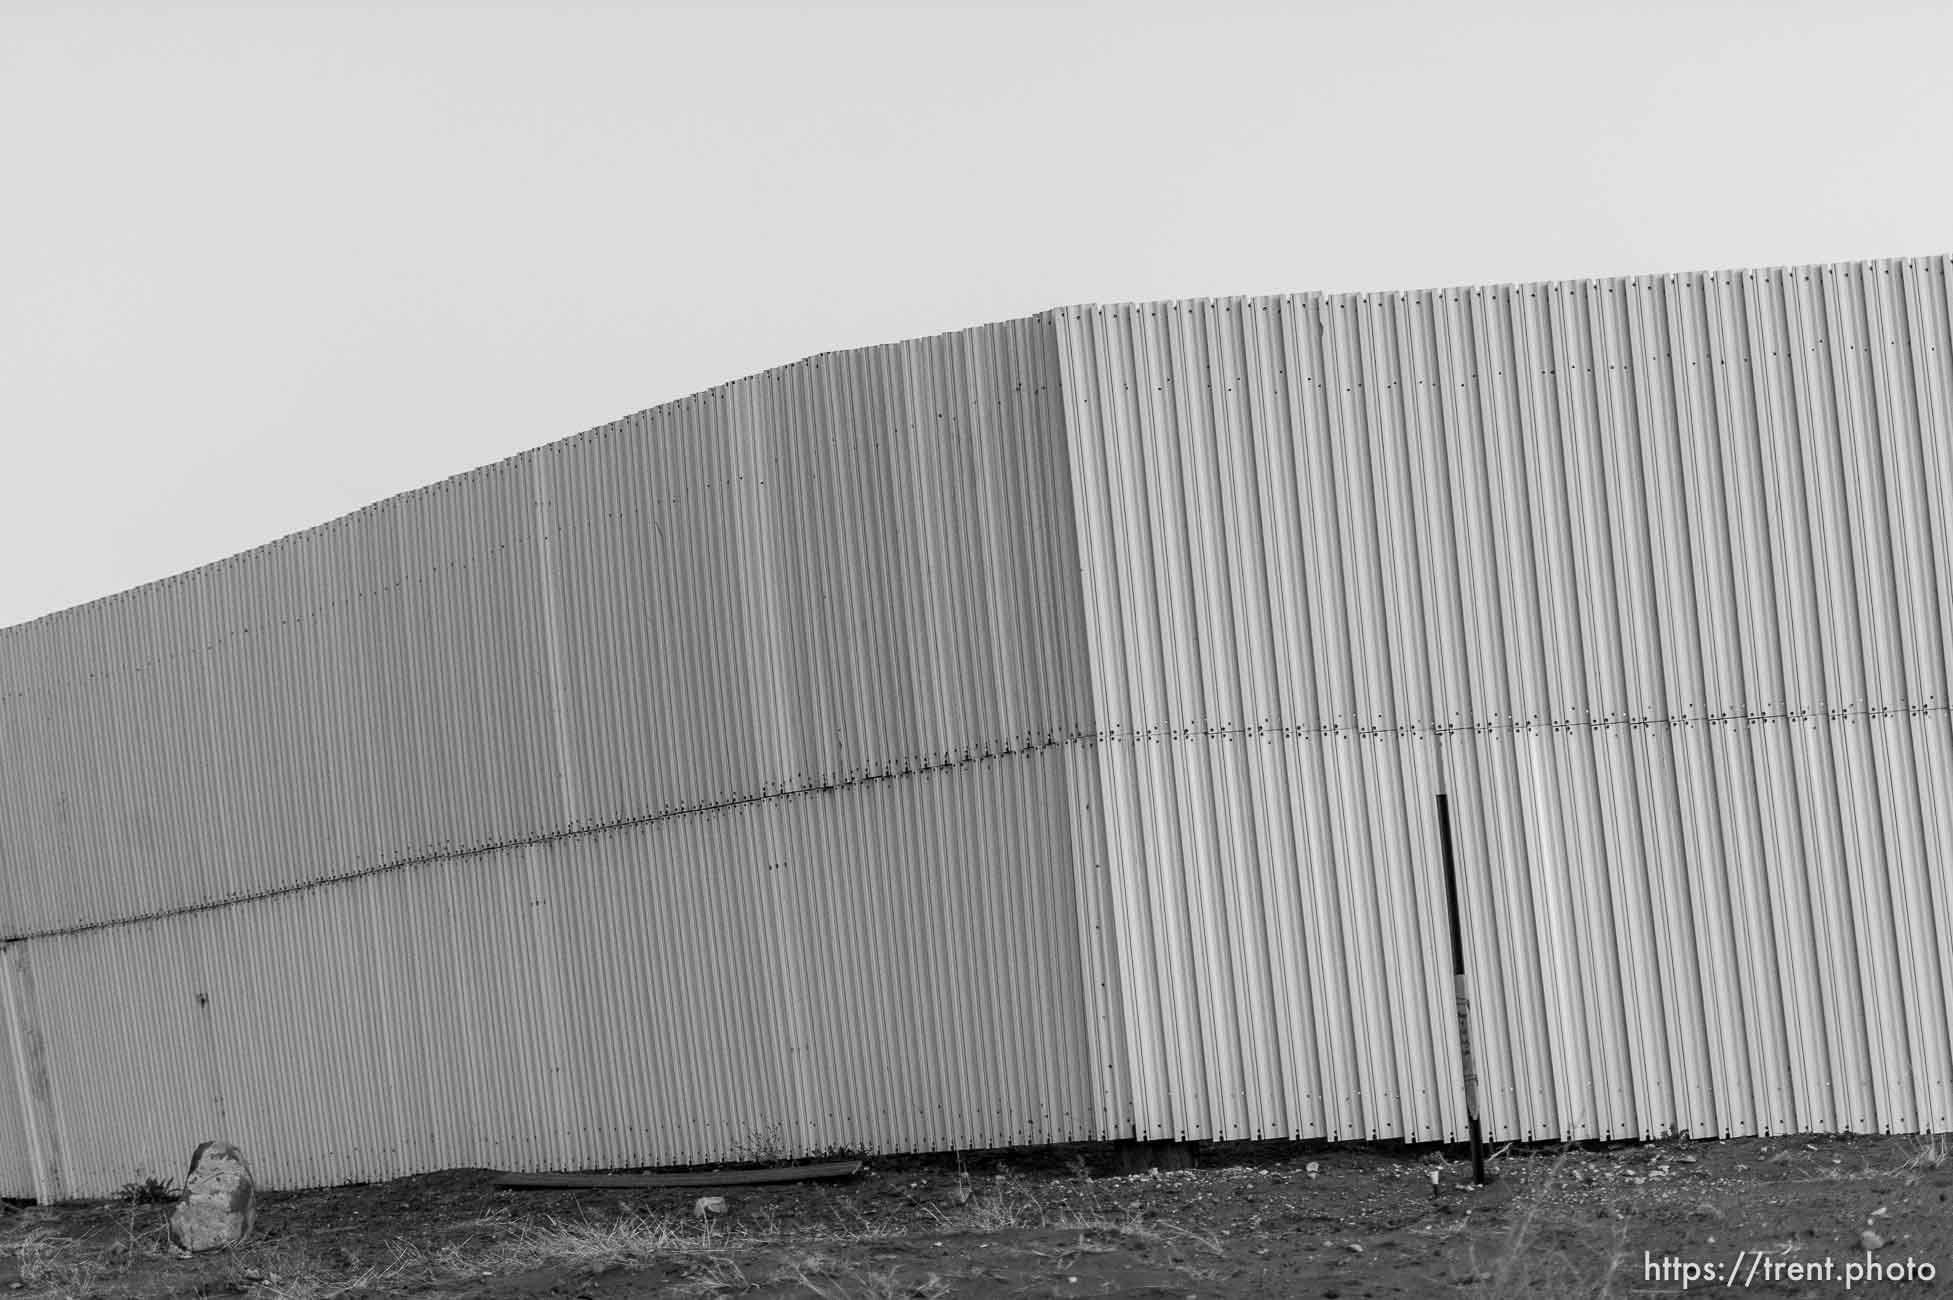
<point x="1520" y="1268"/>
<point x="56" y="1265"/>
<point x="1928" y="1151"/>
<point x="832" y="1279"/>
<point x="630" y="1241"/>
<point x="149" y="1191"/>
<point x="1257" y="1224"/>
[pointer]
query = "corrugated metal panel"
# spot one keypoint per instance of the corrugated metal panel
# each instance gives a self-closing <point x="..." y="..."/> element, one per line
<point x="1032" y="734"/>
<point x="697" y="785"/>
<point x="658" y="994"/>
<point x="852" y="551"/>
<point x="335" y="701"/>
<point x="1651" y="575"/>
<point x="841" y="568"/>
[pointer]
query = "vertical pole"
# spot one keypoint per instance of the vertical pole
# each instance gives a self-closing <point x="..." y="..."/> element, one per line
<point x="1458" y="989"/>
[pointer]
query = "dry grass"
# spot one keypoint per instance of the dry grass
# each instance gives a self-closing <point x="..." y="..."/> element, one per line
<point x="1928" y="1151"/>
<point x="1000" y="1207"/>
<point x="712" y="1257"/>
<point x="705" y="1258"/>
<point x="713" y="1275"/>
<point x="700" y="1258"/>
<point x="1522" y="1268"/>
<point x="833" y="1279"/>
<point x="56" y="1265"/>
<point x="1008" y="1204"/>
<point x="632" y="1241"/>
<point x="323" y="1285"/>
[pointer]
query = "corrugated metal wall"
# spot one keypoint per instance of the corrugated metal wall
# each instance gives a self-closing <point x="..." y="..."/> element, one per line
<point x="1652" y="576"/>
<point x="850" y="567"/>
<point x="892" y="966"/>
<point x="702" y="785"/>
<point x="1033" y="734"/>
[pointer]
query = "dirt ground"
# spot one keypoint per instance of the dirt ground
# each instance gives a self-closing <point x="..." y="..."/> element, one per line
<point x="1781" y="1217"/>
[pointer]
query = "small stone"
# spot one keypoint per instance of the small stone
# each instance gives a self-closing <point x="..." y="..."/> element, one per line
<point x="218" y="1209"/>
<point x="707" y="1206"/>
<point x="1870" y="1240"/>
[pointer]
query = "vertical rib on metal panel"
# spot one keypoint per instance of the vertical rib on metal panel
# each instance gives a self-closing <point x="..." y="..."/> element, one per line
<point x="1647" y="573"/>
<point x="1027" y="734"/>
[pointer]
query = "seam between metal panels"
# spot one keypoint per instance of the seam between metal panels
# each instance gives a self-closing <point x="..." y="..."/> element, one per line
<point x="1413" y="731"/>
<point x="1115" y="736"/>
<point x="495" y="846"/>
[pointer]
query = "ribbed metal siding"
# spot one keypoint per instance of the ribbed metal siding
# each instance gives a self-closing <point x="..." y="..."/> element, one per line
<point x="832" y="571"/>
<point x="338" y="700"/>
<point x="1652" y="576"/>
<point x="906" y="749"/>
<point x="657" y="994"/>
<point x="704" y="785"/>
<point x="850" y="566"/>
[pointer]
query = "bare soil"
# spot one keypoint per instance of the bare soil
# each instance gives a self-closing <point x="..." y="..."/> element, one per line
<point x="1252" y="1221"/>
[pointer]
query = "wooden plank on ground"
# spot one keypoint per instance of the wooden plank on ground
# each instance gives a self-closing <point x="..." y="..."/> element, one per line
<point x="705" y="1178"/>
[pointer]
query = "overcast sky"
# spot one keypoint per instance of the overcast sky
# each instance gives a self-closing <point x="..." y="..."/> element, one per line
<point x="265" y="264"/>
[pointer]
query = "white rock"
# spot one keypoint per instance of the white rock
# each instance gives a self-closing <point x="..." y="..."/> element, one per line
<point x="219" y="1207"/>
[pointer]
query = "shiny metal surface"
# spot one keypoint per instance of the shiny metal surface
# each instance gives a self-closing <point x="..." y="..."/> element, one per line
<point x="1652" y="576"/>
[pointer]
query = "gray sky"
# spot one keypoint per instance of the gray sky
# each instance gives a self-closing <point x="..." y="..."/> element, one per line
<point x="268" y="263"/>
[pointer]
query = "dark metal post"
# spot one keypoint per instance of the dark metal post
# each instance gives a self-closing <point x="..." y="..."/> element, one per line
<point x="1458" y="988"/>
